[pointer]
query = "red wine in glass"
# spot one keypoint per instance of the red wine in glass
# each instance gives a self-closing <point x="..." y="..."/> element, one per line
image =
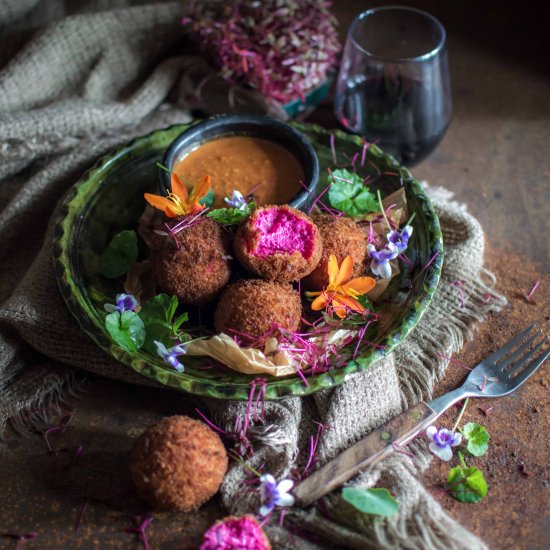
<point x="393" y="87"/>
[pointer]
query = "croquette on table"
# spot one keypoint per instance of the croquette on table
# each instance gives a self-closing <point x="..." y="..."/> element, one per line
<point x="178" y="463"/>
<point x="197" y="270"/>
<point x="252" y="307"/>
<point x="283" y="249"/>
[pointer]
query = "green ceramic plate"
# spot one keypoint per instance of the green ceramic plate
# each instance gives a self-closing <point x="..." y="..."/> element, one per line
<point x="109" y="198"/>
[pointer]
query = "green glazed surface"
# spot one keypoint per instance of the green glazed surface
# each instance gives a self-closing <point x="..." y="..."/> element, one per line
<point x="109" y="198"/>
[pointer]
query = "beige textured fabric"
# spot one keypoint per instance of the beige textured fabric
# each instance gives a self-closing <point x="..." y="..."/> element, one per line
<point x="92" y="81"/>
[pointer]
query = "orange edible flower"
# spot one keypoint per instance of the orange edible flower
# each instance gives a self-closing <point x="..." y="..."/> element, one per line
<point x="341" y="292"/>
<point x="178" y="202"/>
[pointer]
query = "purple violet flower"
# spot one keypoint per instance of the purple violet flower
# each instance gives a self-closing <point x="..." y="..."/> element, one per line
<point x="400" y="239"/>
<point x="442" y="441"/>
<point x="171" y="355"/>
<point x="380" y="264"/>
<point x="124" y="302"/>
<point x="274" y="494"/>
<point x="237" y="200"/>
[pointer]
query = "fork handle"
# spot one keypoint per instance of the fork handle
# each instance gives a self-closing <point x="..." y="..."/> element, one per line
<point x="397" y="432"/>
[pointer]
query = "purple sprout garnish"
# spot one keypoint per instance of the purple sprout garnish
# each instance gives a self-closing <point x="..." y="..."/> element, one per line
<point x="442" y="441"/>
<point x="274" y="494"/>
<point x="400" y="239"/>
<point x="281" y="49"/>
<point x="124" y="302"/>
<point x="171" y="355"/>
<point x="380" y="264"/>
<point x="237" y="200"/>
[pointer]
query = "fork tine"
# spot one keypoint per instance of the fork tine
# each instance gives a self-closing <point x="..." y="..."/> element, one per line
<point x="525" y="359"/>
<point x="499" y="353"/>
<point x="528" y="371"/>
<point x="518" y="353"/>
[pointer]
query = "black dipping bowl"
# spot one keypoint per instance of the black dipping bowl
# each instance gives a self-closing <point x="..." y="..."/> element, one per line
<point x="254" y="126"/>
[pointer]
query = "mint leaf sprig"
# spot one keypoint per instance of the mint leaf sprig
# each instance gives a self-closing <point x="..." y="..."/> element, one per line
<point x="349" y="194"/>
<point x="231" y="216"/>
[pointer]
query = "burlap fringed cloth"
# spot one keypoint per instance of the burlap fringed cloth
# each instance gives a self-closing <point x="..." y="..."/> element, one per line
<point x="90" y="82"/>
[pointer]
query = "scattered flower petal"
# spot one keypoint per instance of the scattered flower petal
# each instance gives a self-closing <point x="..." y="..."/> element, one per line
<point x="442" y="441"/>
<point x="237" y="200"/>
<point x="124" y="302"/>
<point x="274" y="494"/>
<point x="171" y="355"/>
<point x="380" y="264"/>
<point x="400" y="239"/>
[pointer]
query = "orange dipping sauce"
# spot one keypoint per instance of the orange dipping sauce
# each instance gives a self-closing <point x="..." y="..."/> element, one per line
<point x="248" y="164"/>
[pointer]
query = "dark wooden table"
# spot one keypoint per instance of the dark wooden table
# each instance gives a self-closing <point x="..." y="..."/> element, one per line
<point x="496" y="158"/>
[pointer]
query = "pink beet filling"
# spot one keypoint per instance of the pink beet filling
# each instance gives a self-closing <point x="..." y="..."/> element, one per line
<point x="282" y="231"/>
<point x="235" y="534"/>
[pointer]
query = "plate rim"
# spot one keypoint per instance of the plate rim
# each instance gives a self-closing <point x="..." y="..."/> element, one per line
<point x="275" y="388"/>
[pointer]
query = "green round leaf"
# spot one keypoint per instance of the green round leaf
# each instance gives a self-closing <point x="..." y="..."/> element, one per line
<point x="377" y="502"/>
<point x="467" y="484"/>
<point x="120" y="255"/>
<point x="477" y="437"/>
<point x="126" y="330"/>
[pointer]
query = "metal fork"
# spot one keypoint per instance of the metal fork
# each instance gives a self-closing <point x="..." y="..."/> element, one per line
<point x="500" y="374"/>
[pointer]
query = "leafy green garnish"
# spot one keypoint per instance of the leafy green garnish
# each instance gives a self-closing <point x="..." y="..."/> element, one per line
<point x="158" y="315"/>
<point x="120" y="255"/>
<point x="466" y="484"/>
<point x="478" y="438"/>
<point x="349" y="194"/>
<point x="126" y="329"/>
<point x="208" y="199"/>
<point x="378" y="502"/>
<point x="231" y="216"/>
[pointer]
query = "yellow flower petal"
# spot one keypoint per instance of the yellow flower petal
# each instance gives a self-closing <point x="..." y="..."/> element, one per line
<point x="332" y="269"/>
<point x="178" y="187"/>
<point x="345" y="271"/>
<point x="161" y="203"/>
<point x="201" y="189"/>
<point x="348" y="303"/>
<point x="359" y="285"/>
<point x="320" y="302"/>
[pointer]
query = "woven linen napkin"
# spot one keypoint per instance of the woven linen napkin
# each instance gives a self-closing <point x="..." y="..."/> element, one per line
<point x="100" y="79"/>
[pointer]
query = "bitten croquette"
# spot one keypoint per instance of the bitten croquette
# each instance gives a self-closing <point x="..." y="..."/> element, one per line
<point x="178" y="463"/>
<point x="341" y="237"/>
<point x="197" y="270"/>
<point x="278" y="243"/>
<point x="252" y="307"/>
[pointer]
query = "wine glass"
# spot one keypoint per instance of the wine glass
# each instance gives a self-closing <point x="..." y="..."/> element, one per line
<point x="393" y="86"/>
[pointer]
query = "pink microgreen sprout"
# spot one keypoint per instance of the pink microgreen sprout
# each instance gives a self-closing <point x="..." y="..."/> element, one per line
<point x="333" y="149"/>
<point x="80" y="516"/>
<point x="460" y="286"/>
<point x="274" y="494"/>
<point x="171" y="355"/>
<point x="124" y="302"/>
<point x="532" y="291"/>
<point x="143" y="524"/>
<point x="282" y="50"/>
<point x="21" y="539"/>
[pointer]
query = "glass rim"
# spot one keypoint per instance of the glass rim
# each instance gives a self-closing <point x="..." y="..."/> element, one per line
<point x="418" y="58"/>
